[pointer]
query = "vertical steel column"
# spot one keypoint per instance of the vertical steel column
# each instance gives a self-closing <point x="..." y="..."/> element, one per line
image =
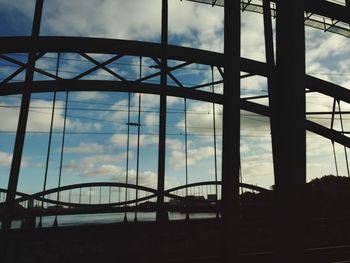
<point x="161" y="213"/>
<point x="288" y="131"/>
<point x="270" y="63"/>
<point x="231" y="131"/>
<point x="269" y="49"/>
<point x="22" y="123"/>
<point x="347" y="4"/>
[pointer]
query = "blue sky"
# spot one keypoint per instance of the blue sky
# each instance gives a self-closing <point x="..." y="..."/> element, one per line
<point x="95" y="146"/>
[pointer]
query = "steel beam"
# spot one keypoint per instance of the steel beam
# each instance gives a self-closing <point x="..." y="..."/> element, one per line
<point x="320" y="7"/>
<point x="231" y="132"/>
<point x="162" y="215"/>
<point x="327" y="88"/>
<point x="327" y="9"/>
<point x="22" y="123"/>
<point x="270" y="61"/>
<point x="122" y="47"/>
<point x="287" y="111"/>
<point x="110" y="86"/>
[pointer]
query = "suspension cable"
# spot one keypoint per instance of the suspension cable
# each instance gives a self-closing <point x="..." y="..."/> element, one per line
<point x="127" y="156"/>
<point x="215" y="153"/>
<point x="50" y="139"/>
<point x="186" y="157"/>
<point x="62" y="150"/>
<point x="138" y="145"/>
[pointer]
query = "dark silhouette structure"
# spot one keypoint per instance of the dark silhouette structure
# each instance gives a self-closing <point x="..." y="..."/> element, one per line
<point x="287" y="86"/>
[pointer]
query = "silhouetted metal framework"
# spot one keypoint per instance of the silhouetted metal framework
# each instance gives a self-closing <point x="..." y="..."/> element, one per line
<point x="324" y="15"/>
<point x="170" y="193"/>
<point x="287" y="86"/>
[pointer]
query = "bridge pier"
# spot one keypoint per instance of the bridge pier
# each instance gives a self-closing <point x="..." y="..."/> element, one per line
<point x="28" y="222"/>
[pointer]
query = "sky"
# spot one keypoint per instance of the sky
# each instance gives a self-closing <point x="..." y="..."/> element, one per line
<point x="96" y="131"/>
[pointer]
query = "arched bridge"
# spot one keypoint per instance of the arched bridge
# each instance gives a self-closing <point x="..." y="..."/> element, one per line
<point x="175" y="193"/>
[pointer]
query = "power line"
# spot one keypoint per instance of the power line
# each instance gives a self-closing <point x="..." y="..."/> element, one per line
<point x="249" y="116"/>
<point x="111" y="110"/>
<point x="133" y="133"/>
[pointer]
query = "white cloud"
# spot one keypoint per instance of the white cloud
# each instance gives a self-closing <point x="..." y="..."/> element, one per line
<point x="320" y="159"/>
<point x="152" y="119"/>
<point x="256" y="161"/>
<point x="140" y="20"/>
<point x="253" y="86"/>
<point x="327" y="55"/>
<point x="120" y="140"/>
<point x="118" y="173"/>
<point x="200" y="118"/>
<point x="186" y="23"/>
<point x="148" y="101"/>
<point x="86" y="148"/>
<point x="252" y="37"/>
<point x="5" y="159"/>
<point x="112" y="168"/>
<point x="90" y="95"/>
<point x="177" y="158"/>
<point x="174" y="144"/>
<point x="320" y="45"/>
<point x="145" y="178"/>
<point x="103" y="170"/>
<point x="89" y="162"/>
<point x="134" y="19"/>
<point x="39" y="117"/>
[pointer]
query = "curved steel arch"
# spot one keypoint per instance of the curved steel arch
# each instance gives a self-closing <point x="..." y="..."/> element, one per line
<point x="125" y="47"/>
<point x="25" y="197"/>
<point x="40" y="195"/>
<point x="86" y="185"/>
<point x="243" y="185"/>
<point x="110" y="86"/>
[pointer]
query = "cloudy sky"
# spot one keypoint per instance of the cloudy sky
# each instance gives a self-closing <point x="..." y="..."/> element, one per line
<point x="95" y="142"/>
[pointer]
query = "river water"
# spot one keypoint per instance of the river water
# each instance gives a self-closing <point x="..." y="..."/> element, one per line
<point x="85" y="219"/>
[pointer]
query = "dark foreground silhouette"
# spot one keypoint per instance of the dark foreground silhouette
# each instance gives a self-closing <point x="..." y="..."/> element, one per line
<point x="327" y="234"/>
